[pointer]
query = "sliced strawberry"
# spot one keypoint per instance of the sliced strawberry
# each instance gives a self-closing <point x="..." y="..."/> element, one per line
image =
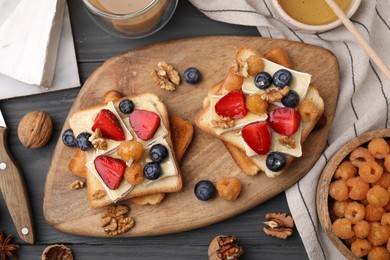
<point x="258" y="136"/>
<point x="110" y="169"/>
<point x="109" y="125"/>
<point x="285" y="120"/>
<point x="232" y="105"/>
<point x="145" y="123"/>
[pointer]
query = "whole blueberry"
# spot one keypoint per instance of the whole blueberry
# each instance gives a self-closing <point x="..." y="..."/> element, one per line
<point x="204" y="190"/>
<point x="68" y="138"/>
<point x="126" y="106"/>
<point x="158" y="152"/>
<point x="263" y="80"/>
<point x="282" y="78"/>
<point x="152" y="170"/>
<point x="275" y="161"/>
<point x="82" y="141"/>
<point x="192" y="75"/>
<point x="291" y="99"/>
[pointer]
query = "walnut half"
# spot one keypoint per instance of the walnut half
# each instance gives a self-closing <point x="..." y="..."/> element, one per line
<point x="116" y="221"/>
<point x="274" y="95"/>
<point x="279" y="225"/>
<point x="167" y="77"/>
<point x="77" y="184"/>
<point x="97" y="140"/>
<point x="224" y="248"/>
<point x="224" y="123"/>
<point x="287" y="141"/>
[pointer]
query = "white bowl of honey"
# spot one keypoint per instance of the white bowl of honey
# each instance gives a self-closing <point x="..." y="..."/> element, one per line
<point x="312" y="16"/>
<point x="130" y="18"/>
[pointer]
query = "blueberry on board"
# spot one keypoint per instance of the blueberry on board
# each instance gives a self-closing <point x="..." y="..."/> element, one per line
<point x="204" y="190"/>
<point x="282" y="78"/>
<point x="82" y="141"/>
<point x="158" y="152"/>
<point x="275" y="161"/>
<point x="68" y="138"/>
<point x="291" y="99"/>
<point x="152" y="170"/>
<point x="192" y="75"/>
<point x="263" y="80"/>
<point x="126" y="106"/>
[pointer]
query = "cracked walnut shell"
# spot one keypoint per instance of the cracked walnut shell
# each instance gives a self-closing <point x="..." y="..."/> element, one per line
<point x="35" y="129"/>
<point x="58" y="252"/>
<point x="224" y="248"/>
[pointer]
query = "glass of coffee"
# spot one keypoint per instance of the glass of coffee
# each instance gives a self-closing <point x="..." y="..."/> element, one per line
<point x="131" y="18"/>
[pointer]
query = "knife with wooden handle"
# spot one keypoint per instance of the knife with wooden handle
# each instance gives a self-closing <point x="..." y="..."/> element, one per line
<point x="14" y="191"/>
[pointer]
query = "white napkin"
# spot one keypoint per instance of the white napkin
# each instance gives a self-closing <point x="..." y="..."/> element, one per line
<point x="363" y="102"/>
<point x="52" y="64"/>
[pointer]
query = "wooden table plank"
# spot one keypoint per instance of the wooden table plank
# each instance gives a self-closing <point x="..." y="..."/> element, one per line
<point x="94" y="46"/>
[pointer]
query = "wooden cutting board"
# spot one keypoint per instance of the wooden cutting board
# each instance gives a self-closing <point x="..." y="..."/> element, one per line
<point x="207" y="158"/>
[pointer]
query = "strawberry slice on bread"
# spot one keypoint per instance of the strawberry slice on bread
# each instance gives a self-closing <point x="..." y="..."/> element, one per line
<point x="144" y="123"/>
<point x="285" y="121"/>
<point x="110" y="169"/>
<point x="258" y="136"/>
<point x="109" y="125"/>
<point x="232" y="105"/>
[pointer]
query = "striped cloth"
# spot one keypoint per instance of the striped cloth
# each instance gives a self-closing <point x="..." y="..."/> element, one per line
<point x="363" y="99"/>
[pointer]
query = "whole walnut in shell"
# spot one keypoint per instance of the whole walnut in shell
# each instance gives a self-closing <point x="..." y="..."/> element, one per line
<point x="35" y="129"/>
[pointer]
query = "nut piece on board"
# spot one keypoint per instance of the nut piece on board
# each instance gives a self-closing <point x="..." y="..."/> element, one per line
<point x="57" y="252"/>
<point x="116" y="221"/>
<point x="111" y="95"/>
<point x="35" y="129"/>
<point x="166" y="76"/>
<point x="76" y="185"/>
<point x="279" y="225"/>
<point x="224" y="248"/>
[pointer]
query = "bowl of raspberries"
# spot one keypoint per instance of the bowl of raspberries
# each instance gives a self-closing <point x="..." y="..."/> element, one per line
<point x="353" y="197"/>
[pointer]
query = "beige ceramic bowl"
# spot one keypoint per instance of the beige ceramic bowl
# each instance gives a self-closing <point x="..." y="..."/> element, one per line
<point x="305" y="28"/>
<point x="325" y="179"/>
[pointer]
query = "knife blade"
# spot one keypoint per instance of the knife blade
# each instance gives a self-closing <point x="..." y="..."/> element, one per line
<point x="14" y="190"/>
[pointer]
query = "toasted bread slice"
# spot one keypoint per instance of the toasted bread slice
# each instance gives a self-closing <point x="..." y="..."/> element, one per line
<point x="79" y="121"/>
<point x="249" y="166"/>
<point x="77" y="164"/>
<point x="252" y="165"/>
<point x="182" y="132"/>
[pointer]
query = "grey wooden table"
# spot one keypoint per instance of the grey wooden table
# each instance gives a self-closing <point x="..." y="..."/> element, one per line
<point x="93" y="46"/>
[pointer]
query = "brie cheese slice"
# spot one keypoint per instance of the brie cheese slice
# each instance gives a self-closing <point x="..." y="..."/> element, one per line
<point x="300" y="81"/>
